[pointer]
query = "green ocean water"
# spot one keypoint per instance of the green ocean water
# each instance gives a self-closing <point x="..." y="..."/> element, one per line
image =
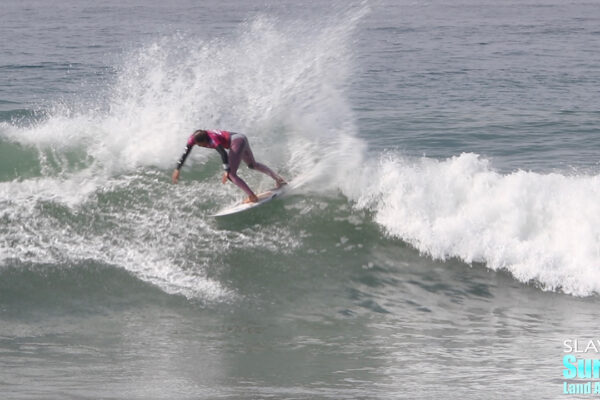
<point x="442" y="242"/>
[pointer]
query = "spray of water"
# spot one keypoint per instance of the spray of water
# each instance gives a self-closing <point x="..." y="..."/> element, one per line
<point x="103" y="191"/>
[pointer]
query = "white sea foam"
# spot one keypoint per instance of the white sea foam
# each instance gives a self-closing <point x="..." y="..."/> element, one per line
<point x="150" y="235"/>
<point x="281" y="84"/>
<point x="541" y="227"/>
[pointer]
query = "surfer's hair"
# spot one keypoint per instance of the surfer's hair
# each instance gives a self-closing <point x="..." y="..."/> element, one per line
<point x="200" y="136"/>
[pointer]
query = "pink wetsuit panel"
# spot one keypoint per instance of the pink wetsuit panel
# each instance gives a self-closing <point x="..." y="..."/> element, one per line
<point x="220" y="138"/>
<point x="217" y="138"/>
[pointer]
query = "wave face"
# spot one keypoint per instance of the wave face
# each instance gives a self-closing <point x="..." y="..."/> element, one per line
<point x="90" y="180"/>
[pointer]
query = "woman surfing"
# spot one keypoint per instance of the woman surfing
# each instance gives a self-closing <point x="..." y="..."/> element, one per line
<point x="239" y="150"/>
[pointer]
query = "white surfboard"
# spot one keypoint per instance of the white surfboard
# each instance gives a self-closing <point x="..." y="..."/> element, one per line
<point x="263" y="198"/>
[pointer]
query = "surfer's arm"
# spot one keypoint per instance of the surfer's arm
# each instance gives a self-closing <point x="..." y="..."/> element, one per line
<point x="188" y="149"/>
<point x="175" y="176"/>
<point x="224" y="157"/>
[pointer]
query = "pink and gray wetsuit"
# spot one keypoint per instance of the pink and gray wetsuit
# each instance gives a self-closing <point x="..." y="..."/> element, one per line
<point x="239" y="149"/>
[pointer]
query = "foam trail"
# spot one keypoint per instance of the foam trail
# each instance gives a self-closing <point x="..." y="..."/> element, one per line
<point x="539" y="227"/>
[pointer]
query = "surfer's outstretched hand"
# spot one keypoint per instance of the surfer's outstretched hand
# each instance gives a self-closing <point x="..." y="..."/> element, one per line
<point x="175" y="176"/>
<point x="225" y="177"/>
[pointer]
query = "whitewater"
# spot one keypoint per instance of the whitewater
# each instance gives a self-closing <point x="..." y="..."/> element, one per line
<point x="289" y="94"/>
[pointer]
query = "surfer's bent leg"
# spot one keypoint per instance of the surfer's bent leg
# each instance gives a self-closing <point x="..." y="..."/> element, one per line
<point x="238" y="145"/>
<point x="248" y="158"/>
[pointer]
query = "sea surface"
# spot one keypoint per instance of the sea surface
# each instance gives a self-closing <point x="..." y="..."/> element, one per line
<point x="442" y="240"/>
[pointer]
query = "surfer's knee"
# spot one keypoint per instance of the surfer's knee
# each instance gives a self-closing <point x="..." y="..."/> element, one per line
<point x="251" y="165"/>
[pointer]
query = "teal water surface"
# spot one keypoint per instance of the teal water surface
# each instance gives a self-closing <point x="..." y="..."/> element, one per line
<point x="443" y="241"/>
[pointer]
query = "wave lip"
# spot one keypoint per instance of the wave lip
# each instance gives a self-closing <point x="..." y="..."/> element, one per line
<point x="542" y="228"/>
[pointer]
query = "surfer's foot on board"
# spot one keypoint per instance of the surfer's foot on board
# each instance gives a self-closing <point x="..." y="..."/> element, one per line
<point x="250" y="199"/>
<point x="280" y="182"/>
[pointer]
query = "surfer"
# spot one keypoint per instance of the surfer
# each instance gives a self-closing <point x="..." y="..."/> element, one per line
<point x="239" y="149"/>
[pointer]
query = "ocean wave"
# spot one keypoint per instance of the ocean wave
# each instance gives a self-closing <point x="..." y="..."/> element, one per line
<point x="541" y="227"/>
<point x="285" y="86"/>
